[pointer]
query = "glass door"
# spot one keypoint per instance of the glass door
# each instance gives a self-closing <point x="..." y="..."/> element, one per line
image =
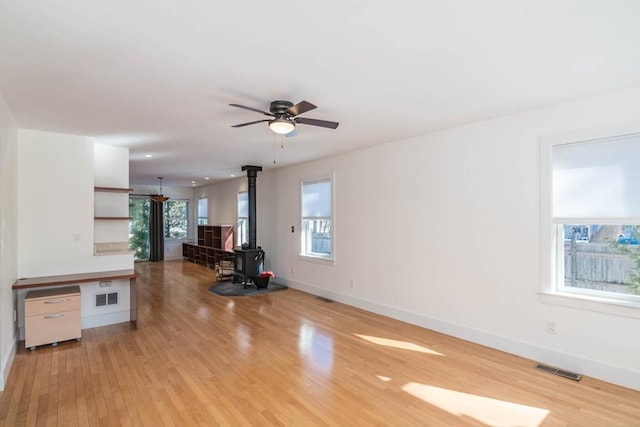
<point x="139" y="211"/>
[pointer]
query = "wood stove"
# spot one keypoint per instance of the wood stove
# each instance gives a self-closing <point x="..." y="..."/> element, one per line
<point x="249" y="259"/>
<point x="248" y="263"/>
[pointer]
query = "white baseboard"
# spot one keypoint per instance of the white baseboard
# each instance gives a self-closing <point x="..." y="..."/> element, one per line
<point x="593" y="368"/>
<point x="7" y="362"/>
<point x="105" y="319"/>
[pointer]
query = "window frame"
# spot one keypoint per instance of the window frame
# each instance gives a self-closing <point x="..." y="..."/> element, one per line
<point x="241" y="228"/>
<point x="552" y="238"/>
<point x="187" y="216"/>
<point x="303" y="254"/>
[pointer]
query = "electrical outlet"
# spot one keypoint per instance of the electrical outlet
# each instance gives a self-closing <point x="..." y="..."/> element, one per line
<point x="352" y="283"/>
<point x="552" y="327"/>
<point x="75" y="238"/>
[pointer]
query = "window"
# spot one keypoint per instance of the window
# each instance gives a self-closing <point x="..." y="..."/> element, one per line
<point x="203" y="211"/>
<point x="243" y="218"/>
<point x="139" y="211"/>
<point x="593" y="245"/>
<point x="176" y="219"/>
<point x="317" y="219"/>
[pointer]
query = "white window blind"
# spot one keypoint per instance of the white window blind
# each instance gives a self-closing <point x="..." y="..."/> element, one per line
<point x="243" y="204"/>
<point x="316" y="199"/>
<point x="597" y="179"/>
<point x="202" y="207"/>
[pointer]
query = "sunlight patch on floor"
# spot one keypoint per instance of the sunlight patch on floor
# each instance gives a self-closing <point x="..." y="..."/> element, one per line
<point x="243" y="340"/>
<point x="316" y="346"/>
<point x="383" y="378"/>
<point x="404" y="345"/>
<point x="489" y="411"/>
<point x="203" y="312"/>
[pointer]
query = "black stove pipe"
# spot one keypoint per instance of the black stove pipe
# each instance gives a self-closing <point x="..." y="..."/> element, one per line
<point x="252" y="173"/>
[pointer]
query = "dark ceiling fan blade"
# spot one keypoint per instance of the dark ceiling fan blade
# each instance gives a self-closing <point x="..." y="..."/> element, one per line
<point x="252" y="109"/>
<point x="249" y="123"/>
<point x="300" y="108"/>
<point x="316" y="122"/>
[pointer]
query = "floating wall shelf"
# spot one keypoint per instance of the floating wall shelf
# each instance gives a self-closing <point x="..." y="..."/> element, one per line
<point x="112" y="218"/>
<point x="112" y="190"/>
<point x="112" y="248"/>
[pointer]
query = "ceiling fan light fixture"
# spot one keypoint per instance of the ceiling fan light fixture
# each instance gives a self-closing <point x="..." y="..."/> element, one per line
<point x="282" y="126"/>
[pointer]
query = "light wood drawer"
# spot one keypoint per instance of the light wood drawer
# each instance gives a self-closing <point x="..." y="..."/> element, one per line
<point x="52" y="304"/>
<point x="52" y="327"/>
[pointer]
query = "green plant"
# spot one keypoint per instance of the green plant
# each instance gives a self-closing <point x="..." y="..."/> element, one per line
<point x="176" y="214"/>
<point x="139" y="227"/>
<point x="634" y="273"/>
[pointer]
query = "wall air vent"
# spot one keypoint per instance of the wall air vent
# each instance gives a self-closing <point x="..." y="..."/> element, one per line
<point x="559" y="372"/>
<point x="103" y="300"/>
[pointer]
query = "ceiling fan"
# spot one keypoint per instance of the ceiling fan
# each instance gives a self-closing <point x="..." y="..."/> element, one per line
<point x="285" y="116"/>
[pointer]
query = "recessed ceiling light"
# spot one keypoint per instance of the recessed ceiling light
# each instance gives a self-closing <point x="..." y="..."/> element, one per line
<point x="193" y="182"/>
<point x="233" y="175"/>
<point x="206" y="177"/>
<point x="148" y="155"/>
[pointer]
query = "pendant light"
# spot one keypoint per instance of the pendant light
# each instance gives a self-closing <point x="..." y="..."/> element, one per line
<point x="159" y="197"/>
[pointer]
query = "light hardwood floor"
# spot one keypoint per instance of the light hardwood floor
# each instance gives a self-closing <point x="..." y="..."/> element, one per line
<point x="286" y="358"/>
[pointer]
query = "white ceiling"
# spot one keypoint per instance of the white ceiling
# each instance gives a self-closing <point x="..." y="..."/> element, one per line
<point x="157" y="76"/>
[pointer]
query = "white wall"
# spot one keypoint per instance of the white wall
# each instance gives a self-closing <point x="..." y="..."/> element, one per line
<point x="223" y="205"/>
<point x="222" y="199"/>
<point x="111" y="170"/>
<point x="8" y="237"/>
<point x="443" y="231"/>
<point x="111" y="165"/>
<point x="56" y="202"/>
<point x="56" y="178"/>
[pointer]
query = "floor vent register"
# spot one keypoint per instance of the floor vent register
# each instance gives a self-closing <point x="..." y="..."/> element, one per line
<point x="559" y="372"/>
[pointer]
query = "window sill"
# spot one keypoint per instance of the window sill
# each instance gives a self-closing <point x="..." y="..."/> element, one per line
<point x="591" y="303"/>
<point x="317" y="260"/>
